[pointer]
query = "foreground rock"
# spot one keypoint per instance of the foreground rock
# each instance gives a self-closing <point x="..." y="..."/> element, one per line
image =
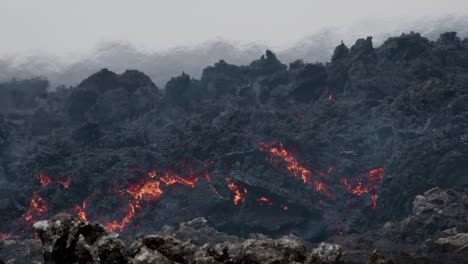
<point x="66" y="239"/>
<point x="435" y="231"/>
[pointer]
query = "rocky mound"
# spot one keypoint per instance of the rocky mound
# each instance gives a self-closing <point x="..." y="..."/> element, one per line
<point x="435" y="231"/>
<point x="66" y="239"/>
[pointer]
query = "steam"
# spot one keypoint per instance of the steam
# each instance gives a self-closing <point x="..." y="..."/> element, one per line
<point x="162" y="65"/>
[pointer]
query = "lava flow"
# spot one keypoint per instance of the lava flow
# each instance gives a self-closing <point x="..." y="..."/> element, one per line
<point x="263" y="200"/>
<point x="45" y="180"/>
<point x="80" y="211"/>
<point x="150" y="189"/>
<point x="367" y="183"/>
<point x="364" y="184"/>
<point x="277" y="149"/>
<point x="239" y="193"/>
<point x="152" y="184"/>
<point x="37" y="207"/>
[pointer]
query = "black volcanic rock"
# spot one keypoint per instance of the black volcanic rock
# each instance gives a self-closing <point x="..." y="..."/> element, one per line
<point x="222" y="79"/>
<point x="341" y="51"/>
<point x="3" y="130"/>
<point x="313" y="140"/>
<point x="68" y="240"/>
<point x="406" y="47"/>
<point x="309" y="82"/>
<point x="106" y="97"/>
<point x="267" y="64"/>
<point x="22" y="94"/>
<point x="182" y="91"/>
<point x="101" y="81"/>
<point x="449" y="41"/>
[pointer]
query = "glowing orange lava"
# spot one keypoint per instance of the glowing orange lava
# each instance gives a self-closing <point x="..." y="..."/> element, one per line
<point x="374" y="200"/>
<point x="37" y="207"/>
<point x="292" y="164"/>
<point x="45" y="180"/>
<point x="367" y="183"/>
<point x="152" y="184"/>
<point x="364" y="184"/>
<point x="170" y="178"/>
<point x="65" y="181"/>
<point x="152" y="174"/>
<point x="263" y="200"/>
<point x="150" y="190"/>
<point x="114" y="225"/>
<point x="239" y="193"/>
<point x="80" y="211"/>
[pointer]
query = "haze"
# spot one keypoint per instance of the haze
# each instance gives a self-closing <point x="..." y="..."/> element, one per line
<point x="60" y="28"/>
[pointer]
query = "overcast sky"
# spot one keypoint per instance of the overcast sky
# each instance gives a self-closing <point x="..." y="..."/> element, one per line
<point x="62" y="27"/>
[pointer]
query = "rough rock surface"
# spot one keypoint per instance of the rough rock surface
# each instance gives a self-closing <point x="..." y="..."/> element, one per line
<point x="66" y="239"/>
<point x="435" y="232"/>
<point x="378" y="258"/>
<point x="400" y="109"/>
<point x="20" y="251"/>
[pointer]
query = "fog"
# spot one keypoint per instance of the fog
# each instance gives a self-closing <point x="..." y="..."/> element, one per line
<point x="66" y="42"/>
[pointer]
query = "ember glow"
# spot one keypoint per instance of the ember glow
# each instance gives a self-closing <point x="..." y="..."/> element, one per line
<point x="114" y="225"/>
<point x="149" y="190"/>
<point x="265" y="201"/>
<point x="4" y="235"/>
<point x="365" y="184"/>
<point x="37" y="207"/>
<point x="374" y="200"/>
<point x="330" y="95"/>
<point x="45" y="180"/>
<point x="80" y="211"/>
<point x="152" y="184"/>
<point x="170" y="178"/>
<point x="239" y="193"/>
<point x="277" y="149"/>
<point x="65" y="182"/>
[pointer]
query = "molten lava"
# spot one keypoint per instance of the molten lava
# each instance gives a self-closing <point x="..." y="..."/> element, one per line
<point x="149" y="190"/>
<point x="114" y="225"/>
<point x="65" y="182"/>
<point x="277" y="149"/>
<point x="368" y="183"/>
<point x="374" y="200"/>
<point x="265" y="201"/>
<point x="37" y="207"/>
<point x="239" y="193"/>
<point x="170" y="178"/>
<point x="80" y="211"/>
<point x="152" y="184"/>
<point x="45" y="180"/>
